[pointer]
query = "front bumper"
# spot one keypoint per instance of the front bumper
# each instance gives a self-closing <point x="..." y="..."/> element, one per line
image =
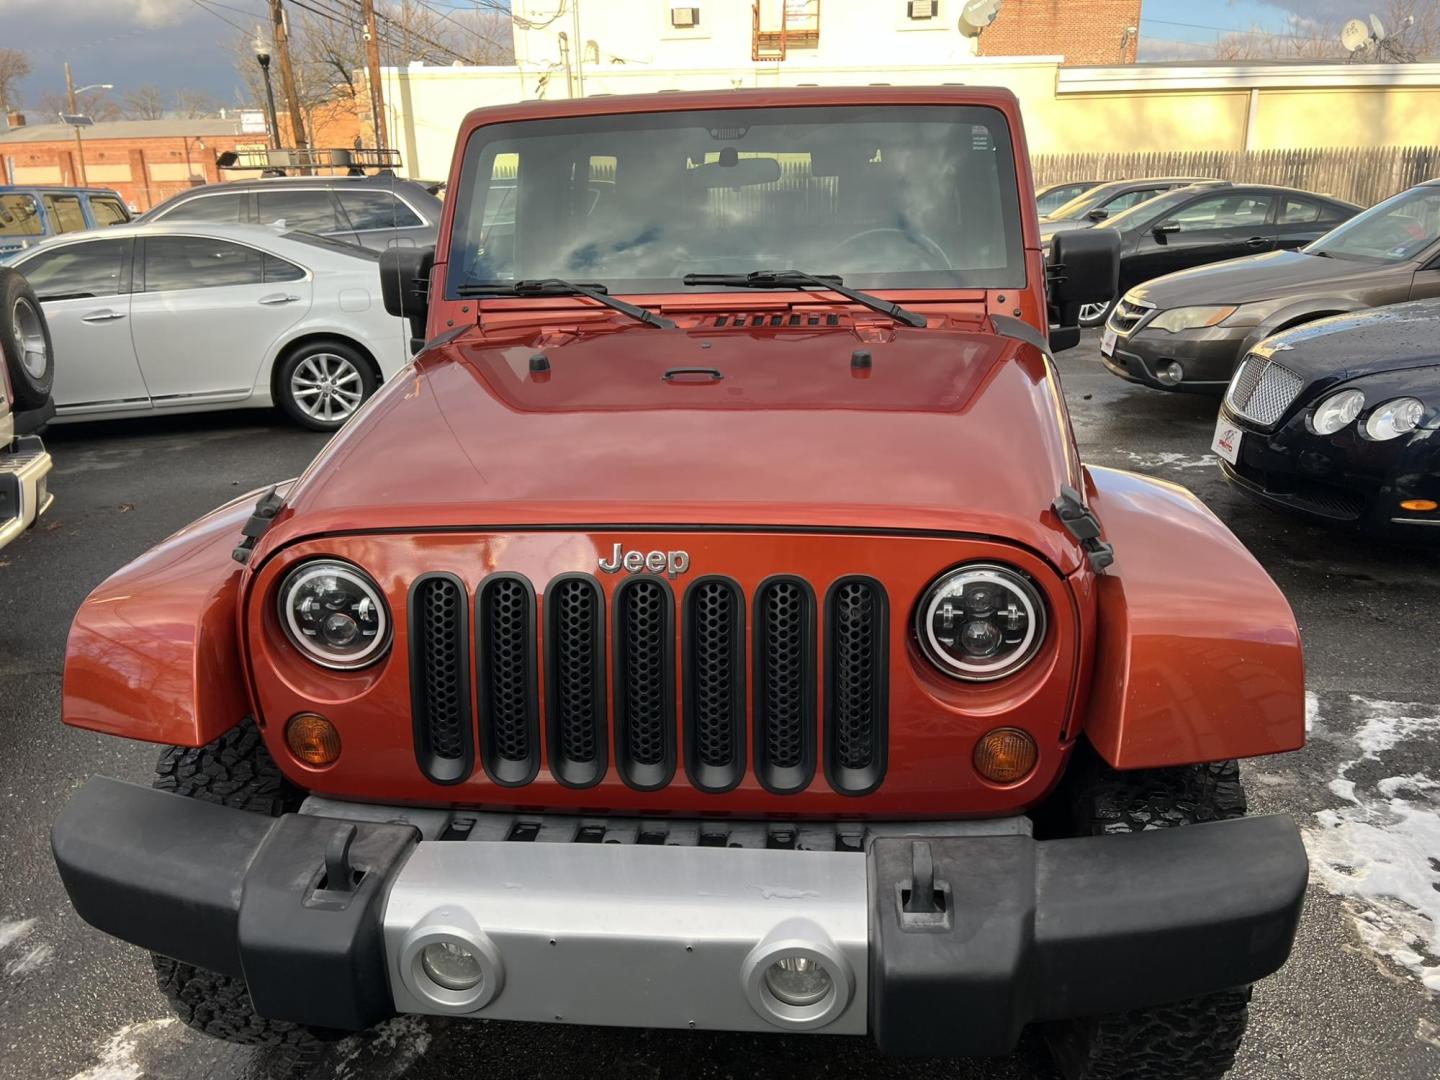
<point x="1208" y="356"/>
<point x="936" y="944"/>
<point x="24" y="494"/>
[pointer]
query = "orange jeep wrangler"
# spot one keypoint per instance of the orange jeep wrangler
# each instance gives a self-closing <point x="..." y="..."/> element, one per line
<point x="714" y="628"/>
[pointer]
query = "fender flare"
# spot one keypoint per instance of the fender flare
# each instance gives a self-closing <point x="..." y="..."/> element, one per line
<point x="1297" y="314"/>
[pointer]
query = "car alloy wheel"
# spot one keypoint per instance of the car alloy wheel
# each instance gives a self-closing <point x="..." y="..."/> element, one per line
<point x="1094" y="314"/>
<point x="30" y="333"/>
<point x="327" y="387"/>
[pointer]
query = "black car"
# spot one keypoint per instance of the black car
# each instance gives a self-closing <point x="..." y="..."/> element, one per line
<point x="1053" y="196"/>
<point x="1340" y="420"/>
<point x="1197" y="225"/>
<point x="377" y="211"/>
<point x="1104" y="201"/>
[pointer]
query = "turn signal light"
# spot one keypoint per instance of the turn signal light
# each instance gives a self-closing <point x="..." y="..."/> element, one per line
<point x="1005" y="756"/>
<point x="312" y="739"/>
<point x="1419" y="504"/>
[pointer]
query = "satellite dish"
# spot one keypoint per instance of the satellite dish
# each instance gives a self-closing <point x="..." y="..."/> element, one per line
<point x="976" y="15"/>
<point x="1355" y="35"/>
<point x="1378" y="27"/>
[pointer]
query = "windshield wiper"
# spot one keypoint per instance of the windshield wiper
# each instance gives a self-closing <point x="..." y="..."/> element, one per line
<point x="560" y="287"/>
<point x="798" y="279"/>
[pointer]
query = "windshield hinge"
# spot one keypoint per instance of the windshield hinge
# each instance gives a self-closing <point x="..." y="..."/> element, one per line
<point x="1081" y="523"/>
<point x="261" y="518"/>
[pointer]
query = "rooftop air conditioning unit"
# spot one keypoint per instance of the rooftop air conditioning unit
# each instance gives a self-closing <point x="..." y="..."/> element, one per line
<point x="921" y="9"/>
<point x="684" y="18"/>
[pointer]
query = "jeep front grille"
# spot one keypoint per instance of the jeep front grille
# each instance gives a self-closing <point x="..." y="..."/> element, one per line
<point x="440" y="680"/>
<point x="612" y="679"/>
<point x="1263" y="390"/>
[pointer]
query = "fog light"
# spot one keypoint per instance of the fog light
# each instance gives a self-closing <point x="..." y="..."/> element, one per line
<point x="798" y="980"/>
<point x="312" y="739"/>
<point x="451" y="965"/>
<point x="1005" y="755"/>
<point x="1170" y="374"/>
<point x="1423" y="505"/>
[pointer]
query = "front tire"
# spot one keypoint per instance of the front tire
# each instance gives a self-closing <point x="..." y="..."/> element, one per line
<point x="235" y="771"/>
<point x="1196" y="1039"/>
<point x="322" y="384"/>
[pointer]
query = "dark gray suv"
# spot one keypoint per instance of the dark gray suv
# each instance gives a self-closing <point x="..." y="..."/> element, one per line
<point x="374" y="211"/>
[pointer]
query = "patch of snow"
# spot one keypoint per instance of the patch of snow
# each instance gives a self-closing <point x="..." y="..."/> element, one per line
<point x="120" y="1056"/>
<point x="15" y="930"/>
<point x="395" y="1045"/>
<point x="33" y="960"/>
<point x="1380" y="851"/>
<point x="1170" y="459"/>
<point x="1312" y="711"/>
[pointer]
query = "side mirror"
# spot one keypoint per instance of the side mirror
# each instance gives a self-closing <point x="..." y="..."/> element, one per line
<point x="1098" y="214"/>
<point x="1165" y="228"/>
<point x="405" y="286"/>
<point x="1083" y="268"/>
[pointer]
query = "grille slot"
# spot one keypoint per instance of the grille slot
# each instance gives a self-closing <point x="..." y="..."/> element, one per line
<point x="644" y="633"/>
<point x="784" y="678"/>
<point x="575" y="680"/>
<point x="505" y="679"/>
<point x="714" y="629"/>
<point x="857" y="624"/>
<point x="1263" y="390"/>
<point x="440" y="678"/>
<point x="1128" y="315"/>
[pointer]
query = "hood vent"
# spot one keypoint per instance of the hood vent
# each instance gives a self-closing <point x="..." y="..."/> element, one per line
<point x="776" y="320"/>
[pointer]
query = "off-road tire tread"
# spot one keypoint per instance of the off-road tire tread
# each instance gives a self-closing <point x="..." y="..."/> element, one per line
<point x="1195" y="1039"/>
<point x="236" y="771"/>
<point x="29" y="392"/>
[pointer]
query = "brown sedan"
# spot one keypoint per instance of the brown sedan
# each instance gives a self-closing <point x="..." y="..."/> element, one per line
<point x="1189" y="331"/>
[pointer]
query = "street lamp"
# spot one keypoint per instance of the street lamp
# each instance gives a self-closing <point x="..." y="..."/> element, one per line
<point x="76" y="119"/>
<point x="262" y="57"/>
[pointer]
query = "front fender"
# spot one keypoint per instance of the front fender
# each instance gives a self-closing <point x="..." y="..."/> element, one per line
<point x="153" y="653"/>
<point x="1296" y="314"/>
<point x="1198" y="655"/>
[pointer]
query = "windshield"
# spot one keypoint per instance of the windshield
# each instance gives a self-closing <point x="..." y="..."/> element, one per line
<point x="887" y="197"/>
<point x="1397" y="229"/>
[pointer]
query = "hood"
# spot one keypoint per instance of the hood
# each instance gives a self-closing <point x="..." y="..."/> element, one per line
<point x="955" y="430"/>
<point x="1049" y="228"/>
<point x="1254" y="278"/>
<point x="1394" y="338"/>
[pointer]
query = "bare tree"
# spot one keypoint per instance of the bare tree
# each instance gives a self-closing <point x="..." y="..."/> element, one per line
<point x="1413" y="26"/>
<point x="95" y="104"/>
<point x="194" y="104"/>
<point x="14" y="66"/>
<point x="144" y="103"/>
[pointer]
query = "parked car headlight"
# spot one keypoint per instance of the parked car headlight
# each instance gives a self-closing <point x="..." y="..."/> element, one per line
<point x="334" y="614"/>
<point x="1336" y="412"/>
<point x="980" y="622"/>
<point x="1391" y="419"/>
<point x="1191" y="318"/>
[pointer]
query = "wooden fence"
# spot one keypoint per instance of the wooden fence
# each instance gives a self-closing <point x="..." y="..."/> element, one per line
<point x="1364" y="175"/>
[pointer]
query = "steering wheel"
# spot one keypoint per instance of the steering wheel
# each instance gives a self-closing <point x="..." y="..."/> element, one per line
<point x="919" y="240"/>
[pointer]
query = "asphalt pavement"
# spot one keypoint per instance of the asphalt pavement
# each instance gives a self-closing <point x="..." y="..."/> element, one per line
<point x="1353" y="1001"/>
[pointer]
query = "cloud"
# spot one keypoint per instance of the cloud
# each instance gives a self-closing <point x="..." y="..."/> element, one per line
<point x="1153" y="49"/>
<point x="147" y="12"/>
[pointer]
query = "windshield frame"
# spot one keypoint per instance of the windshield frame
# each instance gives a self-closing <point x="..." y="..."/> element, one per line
<point x="468" y="214"/>
<point x="1423" y="254"/>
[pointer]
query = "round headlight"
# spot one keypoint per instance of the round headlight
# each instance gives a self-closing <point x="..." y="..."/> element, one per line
<point x="334" y="614"/>
<point x="1336" y="411"/>
<point x="1391" y="419"/>
<point x="980" y="622"/>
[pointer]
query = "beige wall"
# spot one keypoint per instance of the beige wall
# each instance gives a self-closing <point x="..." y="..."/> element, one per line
<point x="1087" y="109"/>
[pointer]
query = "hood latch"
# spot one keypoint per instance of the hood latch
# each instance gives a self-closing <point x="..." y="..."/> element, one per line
<point x="1081" y="523"/>
<point x="260" y="520"/>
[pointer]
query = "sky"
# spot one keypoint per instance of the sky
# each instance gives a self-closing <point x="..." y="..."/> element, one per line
<point x="186" y="44"/>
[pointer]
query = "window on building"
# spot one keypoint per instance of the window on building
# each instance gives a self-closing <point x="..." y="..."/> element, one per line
<point x="86" y="269"/>
<point x="217" y="209"/>
<point x="199" y="262"/>
<point x="782" y="25"/>
<point x="107" y="211"/>
<point x="922" y="9"/>
<point x="65" y="213"/>
<point x="684" y="18"/>
<point x="310" y="209"/>
<point x="20" y="216"/>
<point x="370" y="209"/>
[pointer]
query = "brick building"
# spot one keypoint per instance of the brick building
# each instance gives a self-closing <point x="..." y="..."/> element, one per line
<point x="1083" y="31"/>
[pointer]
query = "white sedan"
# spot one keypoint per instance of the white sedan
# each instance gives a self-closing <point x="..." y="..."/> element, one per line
<point x="148" y="319"/>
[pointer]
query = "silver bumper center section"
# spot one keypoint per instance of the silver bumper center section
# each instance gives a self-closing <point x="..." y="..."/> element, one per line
<point x="619" y="935"/>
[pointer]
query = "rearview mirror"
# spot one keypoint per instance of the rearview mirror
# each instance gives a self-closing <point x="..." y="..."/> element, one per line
<point x="1083" y="268"/>
<point x="735" y="172"/>
<point x="405" y="287"/>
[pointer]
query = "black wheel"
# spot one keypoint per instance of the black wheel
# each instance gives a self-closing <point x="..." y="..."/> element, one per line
<point x="322" y="384"/>
<point x="236" y="771"/>
<point x="1188" y="1040"/>
<point x="1095" y="314"/>
<point x="25" y="342"/>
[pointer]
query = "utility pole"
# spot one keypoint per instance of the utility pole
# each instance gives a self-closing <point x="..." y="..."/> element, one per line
<point x="79" y="146"/>
<point x="287" y="72"/>
<point x="372" y="61"/>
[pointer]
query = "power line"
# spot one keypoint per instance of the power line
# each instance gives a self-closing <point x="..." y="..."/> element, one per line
<point x="210" y="11"/>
